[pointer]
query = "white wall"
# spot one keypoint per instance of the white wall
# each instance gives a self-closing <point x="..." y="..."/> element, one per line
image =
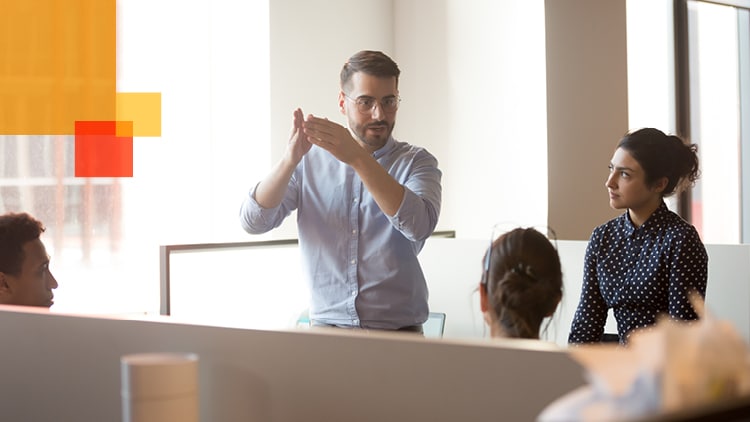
<point x="480" y="76"/>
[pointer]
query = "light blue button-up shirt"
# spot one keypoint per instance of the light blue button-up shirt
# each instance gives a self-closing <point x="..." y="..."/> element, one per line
<point x="361" y="264"/>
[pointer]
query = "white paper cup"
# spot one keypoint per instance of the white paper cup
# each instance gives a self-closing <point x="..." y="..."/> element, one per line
<point x="159" y="387"/>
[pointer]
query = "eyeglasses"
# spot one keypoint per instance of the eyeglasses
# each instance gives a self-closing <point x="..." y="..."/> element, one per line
<point x="365" y="105"/>
<point x="502" y="228"/>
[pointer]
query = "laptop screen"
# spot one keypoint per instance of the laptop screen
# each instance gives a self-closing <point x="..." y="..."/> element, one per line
<point x="434" y="325"/>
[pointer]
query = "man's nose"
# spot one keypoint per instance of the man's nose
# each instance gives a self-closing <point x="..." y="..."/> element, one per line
<point x="377" y="110"/>
<point x="52" y="281"/>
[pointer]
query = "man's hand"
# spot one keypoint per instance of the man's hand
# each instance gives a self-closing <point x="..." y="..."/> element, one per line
<point x="333" y="138"/>
<point x="337" y="140"/>
<point x="298" y="144"/>
<point x="270" y="191"/>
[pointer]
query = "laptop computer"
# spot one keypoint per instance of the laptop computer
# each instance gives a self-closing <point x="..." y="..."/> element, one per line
<point x="435" y="325"/>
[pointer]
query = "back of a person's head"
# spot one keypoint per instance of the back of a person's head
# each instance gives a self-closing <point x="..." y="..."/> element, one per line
<point x="522" y="282"/>
<point x="16" y="229"/>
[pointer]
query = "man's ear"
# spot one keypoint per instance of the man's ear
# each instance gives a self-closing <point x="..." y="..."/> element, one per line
<point x="342" y="99"/>
<point x="4" y="285"/>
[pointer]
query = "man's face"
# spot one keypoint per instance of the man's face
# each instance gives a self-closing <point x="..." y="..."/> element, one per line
<point x="371" y="127"/>
<point x="33" y="285"/>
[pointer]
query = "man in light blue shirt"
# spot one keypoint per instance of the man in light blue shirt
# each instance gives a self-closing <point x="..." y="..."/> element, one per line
<point x="365" y="204"/>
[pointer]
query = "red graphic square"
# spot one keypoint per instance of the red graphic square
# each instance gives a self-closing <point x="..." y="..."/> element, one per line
<point x="104" y="149"/>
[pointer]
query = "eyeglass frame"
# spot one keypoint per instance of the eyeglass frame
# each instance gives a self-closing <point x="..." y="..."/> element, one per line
<point x="375" y="101"/>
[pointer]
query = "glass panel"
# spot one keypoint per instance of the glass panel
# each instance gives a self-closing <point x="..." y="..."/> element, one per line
<point x="743" y="23"/>
<point x="715" y="122"/>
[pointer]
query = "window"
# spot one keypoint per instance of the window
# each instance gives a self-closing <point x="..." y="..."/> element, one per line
<point x="718" y="52"/>
<point x="212" y="69"/>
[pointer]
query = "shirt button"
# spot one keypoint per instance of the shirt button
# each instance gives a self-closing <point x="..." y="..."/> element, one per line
<point x="353" y="261"/>
<point x="354" y="231"/>
<point x="354" y="293"/>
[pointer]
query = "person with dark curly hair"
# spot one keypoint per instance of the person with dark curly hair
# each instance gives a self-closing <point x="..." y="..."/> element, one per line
<point x="25" y="277"/>
<point x="521" y="284"/>
<point x="646" y="262"/>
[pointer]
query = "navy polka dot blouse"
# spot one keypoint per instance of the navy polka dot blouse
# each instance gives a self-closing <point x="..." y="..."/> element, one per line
<point x="639" y="273"/>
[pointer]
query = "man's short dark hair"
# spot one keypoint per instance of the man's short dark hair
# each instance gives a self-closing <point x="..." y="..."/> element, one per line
<point x="15" y="230"/>
<point x="374" y="63"/>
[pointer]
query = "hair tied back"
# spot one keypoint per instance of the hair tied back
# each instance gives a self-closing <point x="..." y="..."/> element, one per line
<point x="524" y="270"/>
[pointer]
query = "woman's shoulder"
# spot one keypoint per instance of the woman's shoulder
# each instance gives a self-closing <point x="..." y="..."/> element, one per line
<point x="672" y="225"/>
<point x="614" y="225"/>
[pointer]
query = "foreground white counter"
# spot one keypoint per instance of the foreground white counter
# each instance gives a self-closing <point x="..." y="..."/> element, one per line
<point x="66" y="368"/>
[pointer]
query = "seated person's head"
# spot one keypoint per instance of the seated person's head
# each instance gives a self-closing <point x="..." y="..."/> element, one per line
<point x="521" y="284"/>
<point x="25" y="278"/>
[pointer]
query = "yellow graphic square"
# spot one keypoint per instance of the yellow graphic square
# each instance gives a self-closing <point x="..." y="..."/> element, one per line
<point x="141" y="108"/>
<point x="57" y="65"/>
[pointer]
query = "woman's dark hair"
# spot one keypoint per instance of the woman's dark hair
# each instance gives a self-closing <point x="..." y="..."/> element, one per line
<point x="15" y="231"/>
<point x="523" y="281"/>
<point x="373" y="63"/>
<point x="661" y="155"/>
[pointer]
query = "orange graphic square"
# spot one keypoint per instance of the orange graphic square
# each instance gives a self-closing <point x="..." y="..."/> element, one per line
<point x="57" y="65"/>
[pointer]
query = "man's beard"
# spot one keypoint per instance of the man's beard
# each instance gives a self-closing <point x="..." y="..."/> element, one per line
<point x="374" y="141"/>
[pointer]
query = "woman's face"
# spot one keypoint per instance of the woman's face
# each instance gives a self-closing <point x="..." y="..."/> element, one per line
<point x="626" y="183"/>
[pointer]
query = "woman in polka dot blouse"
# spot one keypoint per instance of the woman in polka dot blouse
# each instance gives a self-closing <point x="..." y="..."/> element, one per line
<point x="645" y="262"/>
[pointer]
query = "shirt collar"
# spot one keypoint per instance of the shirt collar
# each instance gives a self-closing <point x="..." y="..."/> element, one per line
<point x="385" y="149"/>
<point x="647" y="225"/>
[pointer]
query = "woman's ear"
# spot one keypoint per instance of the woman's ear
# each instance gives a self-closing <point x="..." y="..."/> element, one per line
<point x="557" y="303"/>
<point x="661" y="184"/>
<point x="483" y="297"/>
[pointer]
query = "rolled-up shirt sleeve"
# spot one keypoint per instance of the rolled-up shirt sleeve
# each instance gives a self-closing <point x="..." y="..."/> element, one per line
<point x="257" y="220"/>
<point x="418" y="214"/>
